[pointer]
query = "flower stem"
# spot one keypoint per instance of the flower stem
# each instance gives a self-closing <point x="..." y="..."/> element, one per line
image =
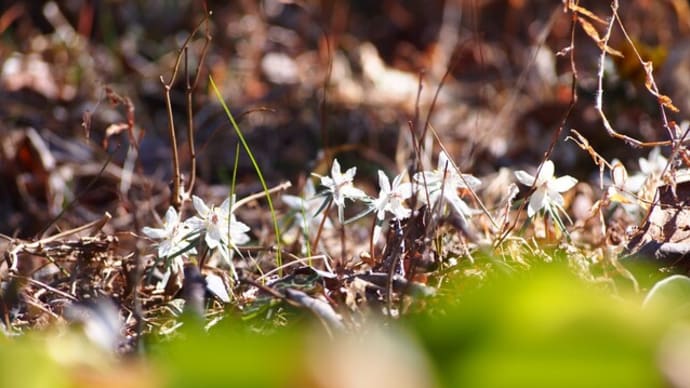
<point x="342" y="249"/>
<point x="315" y="245"/>
<point x="371" y="238"/>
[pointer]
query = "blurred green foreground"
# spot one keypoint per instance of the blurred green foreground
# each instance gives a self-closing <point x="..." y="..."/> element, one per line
<point x="541" y="328"/>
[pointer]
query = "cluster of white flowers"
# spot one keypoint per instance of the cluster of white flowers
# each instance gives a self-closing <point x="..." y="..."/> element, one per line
<point x="445" y="185"/>
<point x="216" y="228"/>
<point x="441" y="189"/>
<point x="217" y="225"/>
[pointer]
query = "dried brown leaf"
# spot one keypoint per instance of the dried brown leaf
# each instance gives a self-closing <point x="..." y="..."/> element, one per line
<point x="667" y="102"/>
<point x="594" y="34"/>
<point x="584" y="144"/>
<point x="650" y="85"/>
<point x="585" y="12"/>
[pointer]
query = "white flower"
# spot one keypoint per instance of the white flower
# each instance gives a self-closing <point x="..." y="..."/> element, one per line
<point x="620" y="186"/>
<point x="221" y="229"/>
<point x="621" y="189"/>
<point x="548" y="188"/>
<point x="171" y="237"/>
<point x="650" y="171"/>
<point x="445" y="183"/>
<point x="305" y="209"/>
<point x="654" y="164"/>
<point x="340" y="186"/>
<point x="392" y="198"/>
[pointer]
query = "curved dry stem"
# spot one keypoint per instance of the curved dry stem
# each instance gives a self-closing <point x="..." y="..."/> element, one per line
<point x="189" y="91"/>
<point x="281" y="187"/>
<point x="176" y="200"/>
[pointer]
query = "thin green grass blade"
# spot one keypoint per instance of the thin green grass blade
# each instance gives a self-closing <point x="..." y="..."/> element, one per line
<point x="234" y="170"/>
<point x="279" y="259"/>
<point x="232" y="195"/>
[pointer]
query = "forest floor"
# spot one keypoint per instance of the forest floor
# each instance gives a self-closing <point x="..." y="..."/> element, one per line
<point x="344" y="193"/>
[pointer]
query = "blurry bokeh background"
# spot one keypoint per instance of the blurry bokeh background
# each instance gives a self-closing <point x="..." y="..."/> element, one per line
<point x="304" y="77"/>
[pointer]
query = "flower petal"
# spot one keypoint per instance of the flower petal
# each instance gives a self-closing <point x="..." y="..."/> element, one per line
<point x="396" y="181"/>
<point x="225" y="206"/>
<point x="459" y="205"/>
<point x="171" y="217"/>
<point x="546" y="173"/>
<point x="635" y="183"/>
<point x="469" y="181"/>
<point x="428" y="178"/>
<point x="164" y="248"/>
<point x="237" y="233"/>
<point x="384" y="183"/>
<point x="225" y="254"/>
<point x="327" y="182"/>
<point x="195" y="223"/>
<point x="524" y="178"/>
<point x="444" y="162"/>
<point x="404" y="190"/>
<point x="349" y="175"/>
<point x="555" y="197"/>
<point x="536" y="202"/>
<point x="645" y="166"/>
<point x="292" y="201"/>
<point x="154" y="233"/>
<point x="239" y="225"/>
<point x="213" y="238"/>
<point x="398" y="210"/>
<point x="309" y="189"/>
<point x="563" y="183"/>
<point x="200" y="206"/>
<point x="434" y="197"/>
<point x="335" y="169"/>
<point x="352" y="192"/>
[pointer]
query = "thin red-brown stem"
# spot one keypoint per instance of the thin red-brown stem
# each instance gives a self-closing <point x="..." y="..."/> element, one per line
<point x="176" y="200"/>
<point x="315" y="244"/>
<point x="189" y="91"/>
